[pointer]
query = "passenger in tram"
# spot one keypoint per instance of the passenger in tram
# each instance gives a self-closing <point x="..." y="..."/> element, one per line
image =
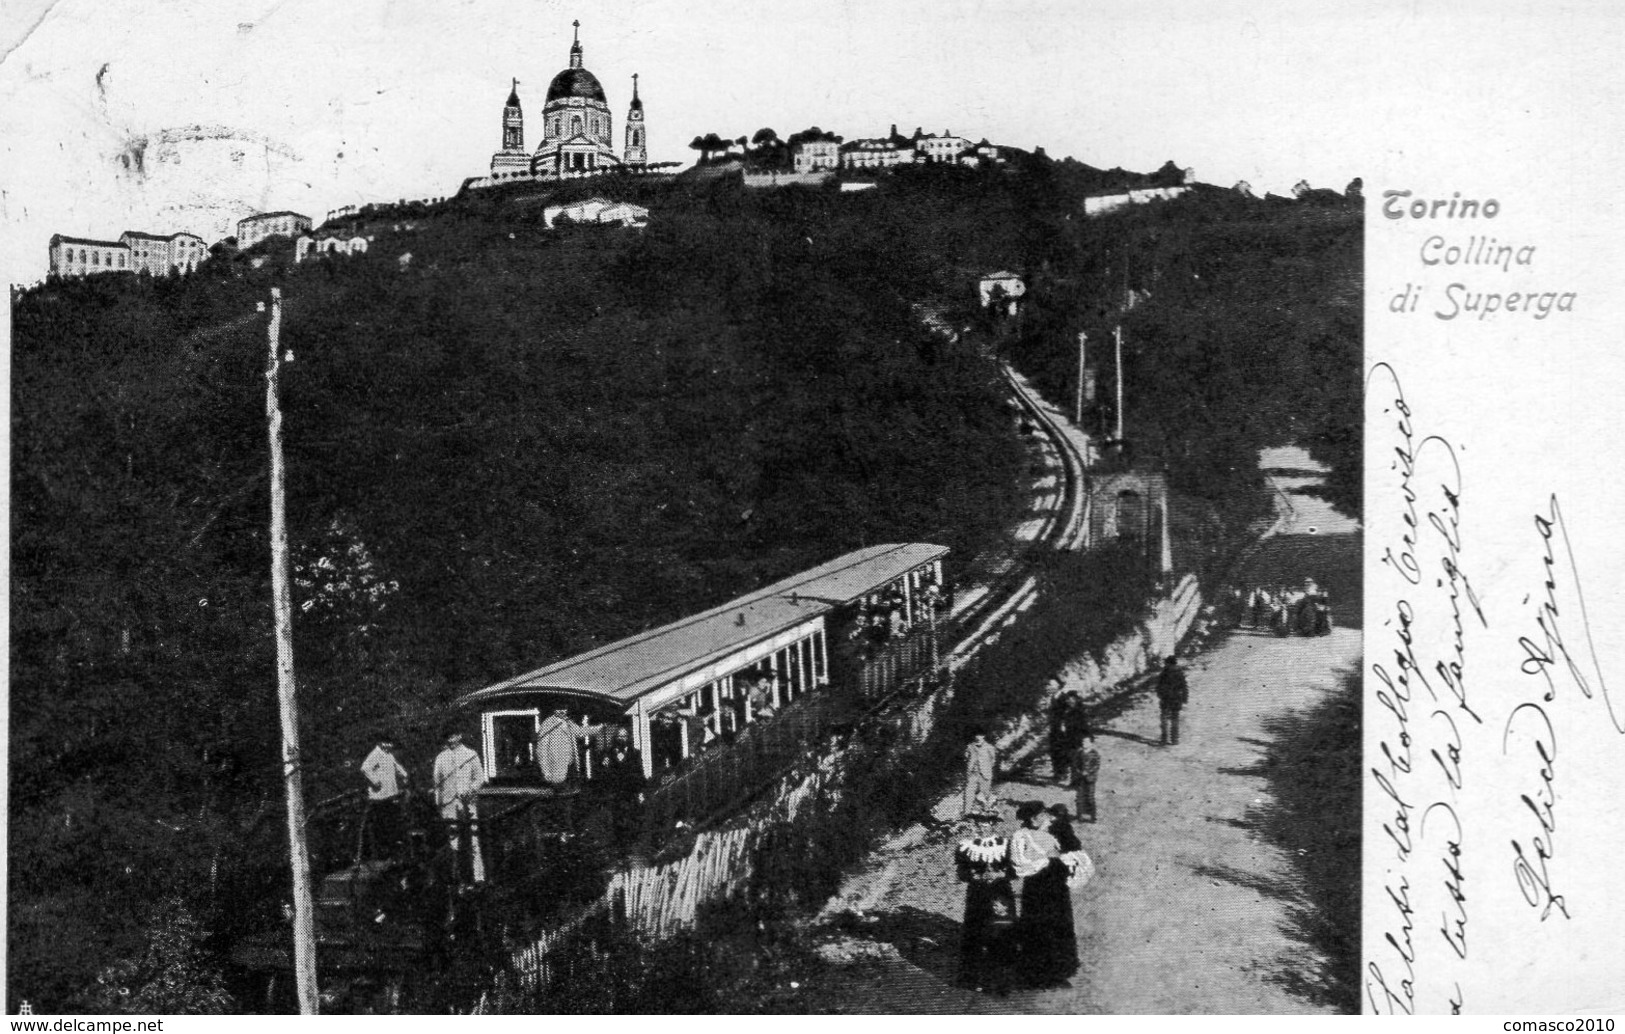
<point x="898" y="625"/>
<point x="698" y="732"/>
<point x="666" y="740"/>
<point x="879" y="631"/>
<point x="621" y="774"/>
<point x="557" y="747"/>
<point x="711" y="730"/>
<point x="894" y="600"/>
<point x="761" y="699"/>
<point x="931" y="600"/>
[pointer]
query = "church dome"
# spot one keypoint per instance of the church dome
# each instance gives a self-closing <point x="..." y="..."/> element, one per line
<point x="575" y="82"/>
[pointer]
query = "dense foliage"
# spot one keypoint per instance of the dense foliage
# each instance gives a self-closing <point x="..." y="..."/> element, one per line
<point x="508" y="443"/>
<point x="515" y="445"/>
<point x="1241" y="328"/>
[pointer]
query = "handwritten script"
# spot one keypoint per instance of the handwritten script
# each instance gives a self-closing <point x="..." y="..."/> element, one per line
<point x="1559" y="652"/>
<point x="1424" y="697"/>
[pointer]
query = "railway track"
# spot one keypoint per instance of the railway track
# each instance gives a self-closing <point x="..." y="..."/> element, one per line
<point x="1063" y="527"/>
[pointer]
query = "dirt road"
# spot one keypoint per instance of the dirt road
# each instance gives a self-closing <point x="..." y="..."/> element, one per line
<point x="1192" y="910"/>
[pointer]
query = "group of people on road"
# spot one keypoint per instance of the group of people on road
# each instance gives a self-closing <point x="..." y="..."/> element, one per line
<point x="1023" y="936"/>
<point x="1288" y="610"/>
<point x="1018" y="929"/>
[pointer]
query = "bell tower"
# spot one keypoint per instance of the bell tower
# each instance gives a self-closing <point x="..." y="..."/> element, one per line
<point x="513" y="122"/>
<point x="637" y="154"/>
<point x="512" y="159"/>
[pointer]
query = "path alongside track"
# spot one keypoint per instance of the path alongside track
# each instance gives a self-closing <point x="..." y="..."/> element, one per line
<point x="1191" y="910"/>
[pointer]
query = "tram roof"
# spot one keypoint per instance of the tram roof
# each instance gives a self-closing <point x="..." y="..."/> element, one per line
<point x="623" y="671"/>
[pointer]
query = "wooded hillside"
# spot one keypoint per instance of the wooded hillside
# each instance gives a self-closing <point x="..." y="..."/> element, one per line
<point x="521" y="442"/>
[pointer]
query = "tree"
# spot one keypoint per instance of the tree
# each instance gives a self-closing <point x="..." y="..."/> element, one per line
<point x="170" y="974"/>
<point x="810" y="135"/>
<point x="765" y="137"/>
<point x="708" y="145"/>
<point x="1170" y="175"/>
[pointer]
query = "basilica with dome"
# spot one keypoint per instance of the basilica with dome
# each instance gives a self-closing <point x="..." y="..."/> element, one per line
<point x="577" y="128"/>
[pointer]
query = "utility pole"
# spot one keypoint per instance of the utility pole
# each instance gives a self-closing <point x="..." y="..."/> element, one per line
<point x="1083" y="338"/>
<point x="1118" y="334"/>
<point x="304" y="928"/>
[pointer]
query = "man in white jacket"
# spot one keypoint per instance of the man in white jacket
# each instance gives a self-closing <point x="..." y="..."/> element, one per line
<point x="386" y="788"/>
<point x="458" y="775"/>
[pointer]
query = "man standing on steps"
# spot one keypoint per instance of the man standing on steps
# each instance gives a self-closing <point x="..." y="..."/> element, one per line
<point x="1172" y="692"/>
<point x="458" y="776"/>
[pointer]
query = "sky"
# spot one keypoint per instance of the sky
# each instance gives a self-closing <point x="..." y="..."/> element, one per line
<point x="189" y="114"/>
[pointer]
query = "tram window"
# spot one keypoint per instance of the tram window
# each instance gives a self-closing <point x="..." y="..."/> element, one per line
<point x="514" y="756"/>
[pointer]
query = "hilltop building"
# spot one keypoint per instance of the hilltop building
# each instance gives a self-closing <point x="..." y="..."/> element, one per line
<point x="945" y="149"/>
<point x="892" y="150"/>
<point x="878" y="152"/>
<point x="990" y="152"/>
<point x="265" y="225"/>
<point x="329" y="244"/>
<point x="812" y="155"/>
<point x="577" y="128"/>
<point x="161" y="256"/>
<point x="133" y="252"/>
<point x="85" y="256"/>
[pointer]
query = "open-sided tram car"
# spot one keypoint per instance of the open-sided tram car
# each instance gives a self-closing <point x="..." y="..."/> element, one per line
<point x="746" y="678"/>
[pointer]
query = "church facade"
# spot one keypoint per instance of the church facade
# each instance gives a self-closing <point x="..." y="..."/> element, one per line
<point x="577" y="128"/>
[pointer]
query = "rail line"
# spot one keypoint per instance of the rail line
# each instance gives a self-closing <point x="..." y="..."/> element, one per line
<point x="1063" y="528"/>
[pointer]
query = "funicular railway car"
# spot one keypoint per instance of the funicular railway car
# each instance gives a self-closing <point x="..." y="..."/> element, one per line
<point x="712" y="707"/>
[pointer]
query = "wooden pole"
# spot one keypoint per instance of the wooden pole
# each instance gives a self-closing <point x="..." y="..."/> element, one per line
<point x="304" y="930"/>
<point x="1083" y="339"/>
<point x="1118" y="334"/>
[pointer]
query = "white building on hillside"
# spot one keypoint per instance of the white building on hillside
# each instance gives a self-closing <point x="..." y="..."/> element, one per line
<point x="598" y="210"/>
<point x="1010" y="286"/>
<point x="811" y="155"/>
<point x="329" y="244"/>
<point x="876" y="153"/>
<point x="944" y="149"/>
<point x="265" y="225"/>
<point x="160" y="256"/>
<point x="85" y="256"/>
<point x="134" y="252"/>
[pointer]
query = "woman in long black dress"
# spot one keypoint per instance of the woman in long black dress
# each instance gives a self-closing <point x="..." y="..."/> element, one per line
<point x="1048" y="944"/>
<point x="983" y="862"/>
